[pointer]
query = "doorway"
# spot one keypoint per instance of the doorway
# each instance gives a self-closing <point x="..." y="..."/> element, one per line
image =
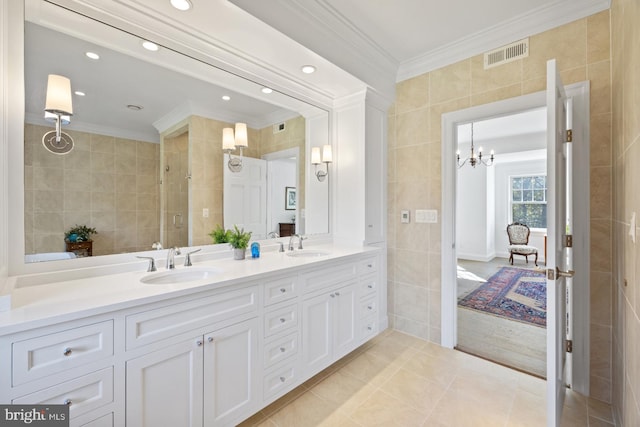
<point x="579" y="92"/>
<point x="501" y="310"/>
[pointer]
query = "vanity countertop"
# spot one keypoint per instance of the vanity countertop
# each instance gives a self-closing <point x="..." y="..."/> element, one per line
<point x="39" y="305"/>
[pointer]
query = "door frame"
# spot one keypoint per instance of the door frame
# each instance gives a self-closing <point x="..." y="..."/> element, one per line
<point x="581" y="240"/>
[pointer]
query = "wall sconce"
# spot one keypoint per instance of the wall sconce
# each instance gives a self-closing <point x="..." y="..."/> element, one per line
<point x="327" y="158"/>
<point x="231" y="141"/>
<point x="58" y="107"/>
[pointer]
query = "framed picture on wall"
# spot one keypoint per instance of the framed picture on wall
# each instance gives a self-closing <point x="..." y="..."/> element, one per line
<point x="290" y="198"/>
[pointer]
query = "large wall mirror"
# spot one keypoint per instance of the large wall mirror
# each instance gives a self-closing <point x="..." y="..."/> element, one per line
<point x="147" y="164"/>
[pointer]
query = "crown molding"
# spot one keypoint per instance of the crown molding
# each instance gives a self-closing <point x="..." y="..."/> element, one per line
<point x="537" y="21"/>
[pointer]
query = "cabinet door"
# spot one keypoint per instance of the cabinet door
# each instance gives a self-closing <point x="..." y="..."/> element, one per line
<point x="164" y="388"/>
<point x="231" y="367"/>
<point x="344" y="320"/>
<point x="316" y="332"/>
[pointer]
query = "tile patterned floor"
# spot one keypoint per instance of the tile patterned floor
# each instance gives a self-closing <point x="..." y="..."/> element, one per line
<point x="399" y="380"/>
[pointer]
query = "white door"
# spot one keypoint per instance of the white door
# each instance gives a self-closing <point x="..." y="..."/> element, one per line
<point x="164" y="387"/>
<point x="245" y="197"/>
<point x="558" y="227"/>
<point x="230" y="375"/>
<point x="344" y="313"/>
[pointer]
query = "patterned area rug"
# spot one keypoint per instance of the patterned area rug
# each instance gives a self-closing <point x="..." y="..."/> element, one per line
<point x="512" y="293"/>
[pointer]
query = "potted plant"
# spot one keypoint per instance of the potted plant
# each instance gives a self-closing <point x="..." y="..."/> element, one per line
<point x="79" y="233"/>
<point x="220" y="235"/>
<point x="239" y="240"/>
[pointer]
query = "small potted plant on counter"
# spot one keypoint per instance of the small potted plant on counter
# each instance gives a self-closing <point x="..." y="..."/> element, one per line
<point x="79" y="233"/>
<point x="239" y="240"/>
<point x="220" y="235"/>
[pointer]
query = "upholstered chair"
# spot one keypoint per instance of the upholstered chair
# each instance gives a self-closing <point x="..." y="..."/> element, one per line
<point x="519" y="242"/>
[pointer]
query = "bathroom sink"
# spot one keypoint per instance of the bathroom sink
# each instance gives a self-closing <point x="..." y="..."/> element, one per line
<point x="189" y="274"/>
<point x="307" y="253"/>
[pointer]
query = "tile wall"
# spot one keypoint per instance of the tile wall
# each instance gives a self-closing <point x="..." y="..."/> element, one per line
<point x="582" y="49"/>
<point x="104" y="182"/>
<point x="625" y="15"/>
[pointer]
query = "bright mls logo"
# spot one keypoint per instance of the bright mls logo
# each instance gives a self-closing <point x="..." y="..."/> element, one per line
<point x="34" y="415"/>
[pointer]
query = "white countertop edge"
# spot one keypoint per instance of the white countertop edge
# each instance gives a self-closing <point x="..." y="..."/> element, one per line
<point x="35" y="306"/>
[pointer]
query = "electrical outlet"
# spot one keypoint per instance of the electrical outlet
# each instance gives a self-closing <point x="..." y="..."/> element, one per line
<point x="405" y="217"/>
<point x="205" y="213"/>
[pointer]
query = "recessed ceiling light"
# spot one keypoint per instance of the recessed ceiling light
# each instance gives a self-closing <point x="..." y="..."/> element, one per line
<point x="181" y="4"/>
<point x="308" y="69"/>
<point x="226" y="97"/>
<point x="135" y="107"/>
<point x="79" y="93"/>
<point x="92" y="55"/>
<point x="267" y="90"/>
<point x="149" y="45"/>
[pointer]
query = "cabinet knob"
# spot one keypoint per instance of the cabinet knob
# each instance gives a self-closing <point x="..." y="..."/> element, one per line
<point x="199" y="343"/>
<point x="370" y="307"/>
<point x="67" y="402"/>
<point x="282" y="320"/>
<point x="337" y="294"/>
<point x="370" y="265"/>
<point x="282" y="379"/>
<point x="282" y="349"/>
<point x="333" y="295"/>
<point x="370" y="328"/>
<point x="370" y="286"/>
<point x="283" y="290"/>
<point x="67" y="351"/>
<point x="210" y="339"/>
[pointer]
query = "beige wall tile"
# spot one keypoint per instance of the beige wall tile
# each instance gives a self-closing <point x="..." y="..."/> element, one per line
<point x="598" y="40"/>
<point x="412" y="94"/>
<point x="451" y="82"/>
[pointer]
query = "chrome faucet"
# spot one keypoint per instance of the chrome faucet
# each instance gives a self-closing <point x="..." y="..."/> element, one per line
<point x="171" y="257"/>
<point x="300" y="238"/>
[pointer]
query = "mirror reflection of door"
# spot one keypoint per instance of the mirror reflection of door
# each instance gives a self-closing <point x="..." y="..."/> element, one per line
<point x="282" y="213"/>
<point x="245" y="197"/>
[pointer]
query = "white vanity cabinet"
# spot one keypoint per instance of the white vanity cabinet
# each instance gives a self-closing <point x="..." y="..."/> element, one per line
<point x="329" y="310"/>
<point x="70" y="363"/>
<point x="210" y="356"/>
<point x="205" y="380"/>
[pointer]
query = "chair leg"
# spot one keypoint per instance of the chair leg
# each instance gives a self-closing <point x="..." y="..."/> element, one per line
<point x="536" y="259"/>
<point x="526" y="258"/>
<point x="511" y="259"/>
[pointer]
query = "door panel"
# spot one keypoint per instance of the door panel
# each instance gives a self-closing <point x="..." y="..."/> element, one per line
<point x="556" y="229"/>
<point x="245" y="197"/>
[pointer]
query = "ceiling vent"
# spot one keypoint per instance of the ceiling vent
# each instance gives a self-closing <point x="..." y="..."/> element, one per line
<point x="505" y="54"/>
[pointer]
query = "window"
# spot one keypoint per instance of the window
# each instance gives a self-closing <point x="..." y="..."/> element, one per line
<point x="529" y="200"/>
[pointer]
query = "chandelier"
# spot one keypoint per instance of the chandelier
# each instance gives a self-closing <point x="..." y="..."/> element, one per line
<point x="474" y="159"/>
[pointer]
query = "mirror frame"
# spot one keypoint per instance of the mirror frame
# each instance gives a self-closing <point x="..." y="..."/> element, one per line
<point x="204" y="51"/>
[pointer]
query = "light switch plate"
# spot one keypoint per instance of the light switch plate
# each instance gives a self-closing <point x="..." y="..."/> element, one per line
<point x="429" y="216"/>
<point x="405" y="216"/>
<point x="205" y="213"/>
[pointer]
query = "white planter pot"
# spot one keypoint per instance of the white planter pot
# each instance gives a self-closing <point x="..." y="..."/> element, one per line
<point x="239" y="253"/>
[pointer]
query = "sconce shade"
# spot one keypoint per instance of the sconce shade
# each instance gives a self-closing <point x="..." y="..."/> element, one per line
<point x="58" y="95"/>
<point x="241" y="135"/>
<point x="327" y="156"/>
<point x="315" y="156"/>
<point x="228" y="142"/>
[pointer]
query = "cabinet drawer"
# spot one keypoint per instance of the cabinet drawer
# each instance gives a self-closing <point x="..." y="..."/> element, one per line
<point x="280" y="319"/>
<point x="103" y="421"/>
<point x="157" y="324"/>
<point x="280" y="349"/>
<point x="279" y="290"/>
<point x="35" y="358"/>
<point x="280" y="381"/>
<point x="328" y="277"/>
<point x="368" y="307"/>
<point x="368" y="327"/>
<point x="368" y="265"/>
<point x="368" y="285"/>
<point x="83" y="394"/>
